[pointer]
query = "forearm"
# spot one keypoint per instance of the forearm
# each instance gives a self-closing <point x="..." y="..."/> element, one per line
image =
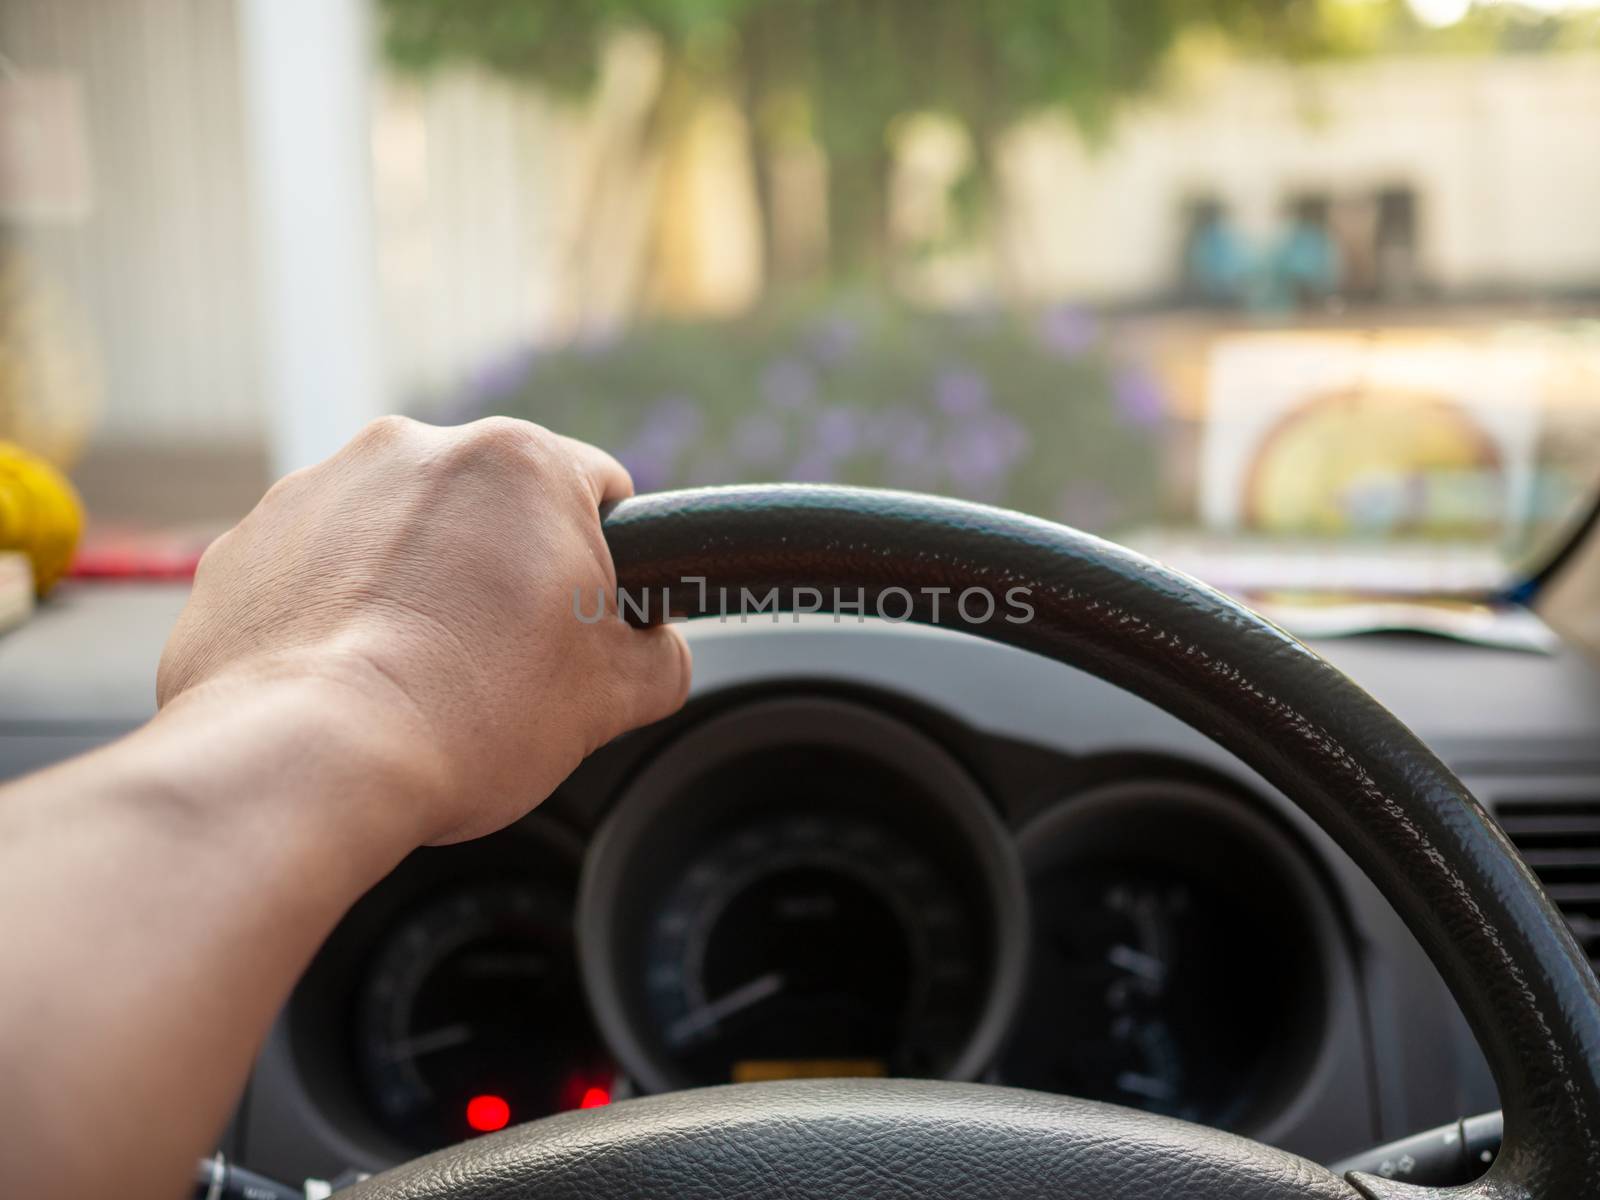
<point x="182" y="877"/>
<point x="381" y="654"/>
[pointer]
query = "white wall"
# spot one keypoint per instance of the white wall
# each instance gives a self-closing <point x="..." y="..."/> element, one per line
<point x="159" y="271"/>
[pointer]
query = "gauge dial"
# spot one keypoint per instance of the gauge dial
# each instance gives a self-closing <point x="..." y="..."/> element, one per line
<point x="1134" y="998"/>
<point x="473" y="1016"/>
<point x="808" y="946"/>
<point x="802" y="887"/>
<point x="1173" y="966"/>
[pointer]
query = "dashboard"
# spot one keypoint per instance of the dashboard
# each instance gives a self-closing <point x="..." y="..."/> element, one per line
<point x="868" y="849"/>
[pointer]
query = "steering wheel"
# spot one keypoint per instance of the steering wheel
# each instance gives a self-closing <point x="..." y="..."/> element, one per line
<point x="1440" y="859"/>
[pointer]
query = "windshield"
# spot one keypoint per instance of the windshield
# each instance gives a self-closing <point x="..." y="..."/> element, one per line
<point x="1299" y="295"/>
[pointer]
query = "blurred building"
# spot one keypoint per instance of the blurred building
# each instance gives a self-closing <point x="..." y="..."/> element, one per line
<point x="1445" y="176"/>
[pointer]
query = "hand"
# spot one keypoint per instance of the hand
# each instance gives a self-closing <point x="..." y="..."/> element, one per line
<point x="422" y="581"/>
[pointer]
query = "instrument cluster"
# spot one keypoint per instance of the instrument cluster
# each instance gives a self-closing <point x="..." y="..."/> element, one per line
<point x="810" y="887"/>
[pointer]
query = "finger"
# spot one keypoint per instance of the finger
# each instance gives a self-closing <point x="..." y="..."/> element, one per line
<point x="654" y="667"/>
<point x="608" y="479"/>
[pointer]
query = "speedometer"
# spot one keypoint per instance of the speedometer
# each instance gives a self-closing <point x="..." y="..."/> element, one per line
<point x="802" y="888"/>
<point x="808" y="946"/>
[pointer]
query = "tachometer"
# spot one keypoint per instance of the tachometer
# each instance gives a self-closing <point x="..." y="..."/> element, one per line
<point x="473" y="1017"/>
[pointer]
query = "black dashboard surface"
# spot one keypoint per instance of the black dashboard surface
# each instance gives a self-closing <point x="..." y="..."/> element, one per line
<point x="800" y="898"/>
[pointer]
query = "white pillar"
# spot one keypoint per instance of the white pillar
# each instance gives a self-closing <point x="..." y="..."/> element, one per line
<point x="307" y="67"/>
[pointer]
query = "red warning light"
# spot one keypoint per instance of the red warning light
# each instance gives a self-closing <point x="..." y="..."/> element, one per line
<point x="595" y="1097"/>
<point x="488" y="1113"/>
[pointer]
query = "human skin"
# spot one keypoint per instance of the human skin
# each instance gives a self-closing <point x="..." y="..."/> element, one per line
<point x="382" y="655"/>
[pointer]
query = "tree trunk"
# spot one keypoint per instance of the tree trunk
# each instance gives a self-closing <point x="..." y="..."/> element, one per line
<point x="858" y="217"/>
<point x="772" y="267"/>
<point x="995" y="214"/>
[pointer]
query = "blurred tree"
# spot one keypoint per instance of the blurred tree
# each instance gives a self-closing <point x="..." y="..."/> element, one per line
<point x="841" y="72"/>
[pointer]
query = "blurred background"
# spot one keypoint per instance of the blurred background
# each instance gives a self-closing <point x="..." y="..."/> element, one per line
<point x="1302" y="295"/>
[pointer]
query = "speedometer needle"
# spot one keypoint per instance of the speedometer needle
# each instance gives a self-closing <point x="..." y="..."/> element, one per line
<point x="446" y="1037"/>
<point x="709" y="1015"/>
<point x="1137" y="962"/>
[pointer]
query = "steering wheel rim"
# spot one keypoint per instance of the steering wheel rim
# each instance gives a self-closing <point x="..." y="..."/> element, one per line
<point x="1500" y="945"/>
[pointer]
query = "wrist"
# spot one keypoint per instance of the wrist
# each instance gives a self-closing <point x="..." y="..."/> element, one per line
<point x="313" y="757"/>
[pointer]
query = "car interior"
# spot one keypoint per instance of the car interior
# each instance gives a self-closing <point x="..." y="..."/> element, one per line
<point x="1271" y="831"/>
<point x="882" y="849"/>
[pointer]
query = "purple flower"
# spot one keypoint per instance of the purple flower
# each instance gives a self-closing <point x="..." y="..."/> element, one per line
<point x="674" y="419"/>
<point x="834" y="339"/>
<point x="838" y="432"/>
<point x="651" y="471"/>
<point x="888" y="428"/>
<point x="1086" y="504"/>
<point x="670" y="428"/>
<point x="814" y="468"/>
<point x="1067" y="331"/>
<point x="500" y="379"/>
<point x="710" y="472"/>
<point x="907" y="441"/>
<point x="759" y="440"/>
<point x="978" y="455"/>
<point x="1137" y="397"/>
<point x="915" y="449"/>
<point x="789" y="384"/>
<point x="597" y="339"/>
<point x="961" y="392"/>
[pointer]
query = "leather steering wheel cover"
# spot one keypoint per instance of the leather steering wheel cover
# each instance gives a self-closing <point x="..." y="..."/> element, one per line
<point x="1440" y="859"/>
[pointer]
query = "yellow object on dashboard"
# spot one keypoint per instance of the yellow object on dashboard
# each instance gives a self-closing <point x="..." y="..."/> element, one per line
<point x="39" y="514"/>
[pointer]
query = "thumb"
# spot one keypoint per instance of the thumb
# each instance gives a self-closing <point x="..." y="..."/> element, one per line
<point x="654" y="666"/>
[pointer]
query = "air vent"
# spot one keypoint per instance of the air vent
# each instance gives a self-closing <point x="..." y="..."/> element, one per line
<point x="1561" y="841"/>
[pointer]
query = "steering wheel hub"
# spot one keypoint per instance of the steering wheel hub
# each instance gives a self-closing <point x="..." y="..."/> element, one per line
<point x="864" y="1139"/>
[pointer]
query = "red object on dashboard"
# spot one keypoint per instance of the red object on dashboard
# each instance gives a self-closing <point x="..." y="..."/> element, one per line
<point x="122" y="552"/>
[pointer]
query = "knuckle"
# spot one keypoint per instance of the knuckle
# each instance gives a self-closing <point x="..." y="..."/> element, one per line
<point x="537" y="463"/>
<point x="505" y="434"/>
<point x="384" y="431"/>
<point x="496" y="441"/>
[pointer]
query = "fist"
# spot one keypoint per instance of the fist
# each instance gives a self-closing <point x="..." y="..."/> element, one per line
<point x="423" y="579"/>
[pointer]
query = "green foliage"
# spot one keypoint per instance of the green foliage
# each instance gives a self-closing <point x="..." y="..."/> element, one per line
<point x="866" y="60"/>
<point x="553" y="43"/>
<point x="556" y="45"/>
<point x="844" y="71"/>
